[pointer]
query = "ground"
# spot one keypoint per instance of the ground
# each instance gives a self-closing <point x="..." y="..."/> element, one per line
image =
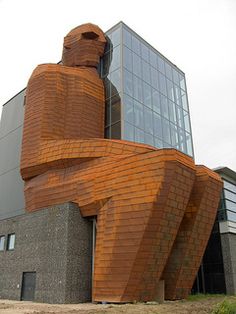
<point x="202" y="305"/>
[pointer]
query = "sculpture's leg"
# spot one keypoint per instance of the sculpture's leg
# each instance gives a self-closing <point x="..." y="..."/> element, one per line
<point x="138" y="225"/>
<point x="185" y="258"/>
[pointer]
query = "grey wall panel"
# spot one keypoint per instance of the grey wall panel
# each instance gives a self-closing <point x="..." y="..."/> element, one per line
<point x="228" y="243"/>
<point x="11" y="194"/>
<point x="12" y="114"/>
<point x="11" y="184"/>
<point x="10" y="150"/>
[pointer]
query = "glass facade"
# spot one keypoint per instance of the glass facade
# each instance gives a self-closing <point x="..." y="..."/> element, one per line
<point x="227" y="208"/>
<point x="211" y="276"/>
<point x="146" y="97"/>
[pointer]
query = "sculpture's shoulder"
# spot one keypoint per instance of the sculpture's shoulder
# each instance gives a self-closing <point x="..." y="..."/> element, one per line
<point x="44" y="68"/>
<point x="50" y="68"/>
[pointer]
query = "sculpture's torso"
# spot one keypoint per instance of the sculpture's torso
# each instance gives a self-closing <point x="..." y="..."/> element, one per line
<point x="62" y="103"/>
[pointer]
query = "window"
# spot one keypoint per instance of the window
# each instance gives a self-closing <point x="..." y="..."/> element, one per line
<point x="168" y="71"/>
<point x="172" y="112"/>
<point x="170" y="90"/>
<point x="156" y="101"/>
<point x="128" y="109"/>
<point x="180" y="118"/>
<point x="161" y="64"/>
<point x="153" y="59"/>
<point x="107" y="113"/>
<point x="164" y="107"/>
<point x="175" y="76"/>
<point x="231" y="216"/>
<point x="157" y="125"/>
<point x="184" y="102"/>
<point x="135" y="45"/>
<point x="137" y="66"/>
<point x="147" y="95"/>
<point x="129" y="132"/>
<point x="182" y="82"/>
<point x="189" y="144"/>
<point x="166" y="131"/>
<point x="162" y="84"/>
<point x="137" y="89"/>
<point x="128" y="59"/>
<point x="158" y="142"/>
<point x="154" y="78"/>
<point x="145" y="52"/>
<point x="186" y="121"/>
<point x="229" y="186"/>
<point x="139" y="135"/>
<point x="174" y="136"/>
<point x="115" y="59"/>
<point x="11" y="241"/>
<point x="115" y="37"/>
<point x="2" y="243"/>
<point x="115" y="109"/>
<point x="127" y="38"/>
<point x="115" y="82"/>
<point x="128" y="83"/>
<point x="146" y="72"/>
<point x="149" y="139"/>
<point x="230" y="205"/>
<point x="148" y="121"/>
<point x="138" y="115"/>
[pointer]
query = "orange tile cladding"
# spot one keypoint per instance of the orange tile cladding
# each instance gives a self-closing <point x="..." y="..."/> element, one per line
<point x="194" y="232"/>
<point x="154" y="207"/>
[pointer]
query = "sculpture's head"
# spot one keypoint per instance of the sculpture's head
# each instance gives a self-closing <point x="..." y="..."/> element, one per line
<point x="83" y="46"/>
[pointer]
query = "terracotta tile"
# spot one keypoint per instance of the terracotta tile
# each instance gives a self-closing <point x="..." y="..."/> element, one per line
<point x="149" y="205"/>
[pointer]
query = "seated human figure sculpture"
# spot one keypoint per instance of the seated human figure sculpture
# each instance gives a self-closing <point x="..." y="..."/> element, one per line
<point x="149" y="202"/>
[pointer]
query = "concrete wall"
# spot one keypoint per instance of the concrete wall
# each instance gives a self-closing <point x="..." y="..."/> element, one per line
<point x="56" y="243"/>
<point x="228" y="243"/>
<point x="11" y="185"/>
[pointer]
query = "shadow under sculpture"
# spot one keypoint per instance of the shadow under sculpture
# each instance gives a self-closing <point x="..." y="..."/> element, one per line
<point x="154" y="207"/>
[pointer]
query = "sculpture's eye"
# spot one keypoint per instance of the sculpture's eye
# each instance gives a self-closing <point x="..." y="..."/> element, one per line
<point x="90" y="35"/>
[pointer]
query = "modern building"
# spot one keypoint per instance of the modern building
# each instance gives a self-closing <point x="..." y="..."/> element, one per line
<point x="146" y="95"/>
<point x="217" y="273"/>
<point x="146" y="102"/>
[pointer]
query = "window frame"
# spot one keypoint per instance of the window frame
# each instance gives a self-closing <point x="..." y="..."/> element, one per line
<point x="8" y="242"/>
<point x="4" y="241"/>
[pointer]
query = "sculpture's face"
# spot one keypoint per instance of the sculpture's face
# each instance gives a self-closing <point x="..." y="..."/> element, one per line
<point x="83" y="46"/>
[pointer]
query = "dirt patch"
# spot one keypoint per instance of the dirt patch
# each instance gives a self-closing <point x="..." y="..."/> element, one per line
<point x="204" y="306"/>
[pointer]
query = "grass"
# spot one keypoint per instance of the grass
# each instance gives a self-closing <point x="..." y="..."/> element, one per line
<point x="225" y="307"/>
<point x="201" y="296"/>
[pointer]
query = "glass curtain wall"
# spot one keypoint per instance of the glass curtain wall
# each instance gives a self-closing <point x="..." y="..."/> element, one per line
<point x="111" y="74"/>
<point x="227" y="208"/>
<point x="146" y="97"/>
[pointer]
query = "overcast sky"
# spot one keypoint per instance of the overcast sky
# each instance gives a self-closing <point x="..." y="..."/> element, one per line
<point x="199" y="36"/>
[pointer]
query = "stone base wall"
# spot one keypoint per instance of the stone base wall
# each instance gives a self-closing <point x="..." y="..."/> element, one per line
<point x="56" y="243"/>
<point x="228" y="243"/>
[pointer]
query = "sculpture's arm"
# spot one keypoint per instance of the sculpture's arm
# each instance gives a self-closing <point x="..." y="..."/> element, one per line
<point x="66" y="153"/>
